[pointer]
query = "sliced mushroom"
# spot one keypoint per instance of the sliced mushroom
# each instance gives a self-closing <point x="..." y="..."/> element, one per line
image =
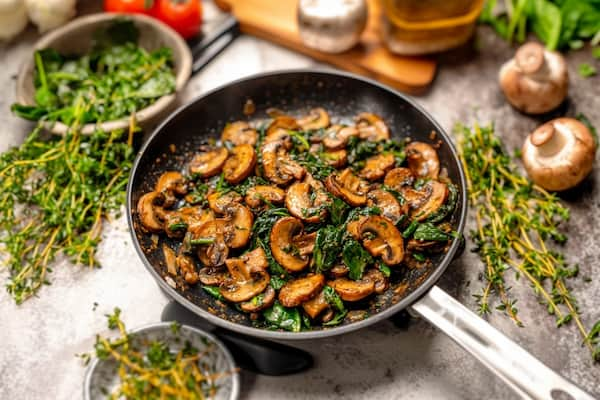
<point x="315" y="306"/>
<point x="209" y="162"/>
<point x="174" y="225"/>
<point x="376" y="166"/>
<point x="429" y="199"/>
<point x="280" y="126"/>
<point x="336" y="158"/>
<point x="353" y="227"/>
<point x="211" y="276"/>
<point x="350" y="290"/>
<point x="337" y="136"/>
<point x="289" y="245"/>
<point x="307" y="200"/>
<point x="377" y="277"/>
<point x="297" y="291"/>
<point x="422" y="160"/>
<point x="187" y="267"/>
<point x="238" y="227"/>
<point x="277" y="165"/>
<point x="387" y="203"/>
<point x="348" y="187"/>
<point x="317" y="118"/>
<point x="239" y="164"/>
<point x="371" y="127"/>
<point x="258" y="195"/>
<point x="215" y="253"/>
<point x="339" y="271"/>
<point x="381" y="238"/>
<point x="239" y="132"/>
<point x="170" y="184"/>
<point x="243" y="284"/>
<point x="399" y="178"/>
<point x="194" y="217"/>
<point x="219" y="201"/>
<point x="146" y="209"/>
<point x="260" y="302"/>
<point x="256" y="259"/>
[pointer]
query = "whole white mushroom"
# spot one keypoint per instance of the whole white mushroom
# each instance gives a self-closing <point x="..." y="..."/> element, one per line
<point x="13" y="18"/>
<point x="50" y="14"/>
<point x="536" y="80"/>
<point x="559" y="154"/>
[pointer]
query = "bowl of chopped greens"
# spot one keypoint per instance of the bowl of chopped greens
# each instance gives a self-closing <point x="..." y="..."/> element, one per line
<point x="160" y="361"/>
<point x="103" y="71"/>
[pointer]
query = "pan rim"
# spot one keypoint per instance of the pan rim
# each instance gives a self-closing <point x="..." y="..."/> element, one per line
<point x="404" y="303"/>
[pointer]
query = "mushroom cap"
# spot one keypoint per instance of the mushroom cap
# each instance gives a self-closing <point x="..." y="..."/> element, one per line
<point x="220" y="201"/>
<point x="376" y="166"/>
<point x="317" y="118"/>
<point x="216" y="253"/>
<point x="428" y="199"/>
<point x="238" y="225"/>
<point x="559" y="154"/>
<point x="209" y="162"/>
<point x="316" y="305"/>
<point x="422" y="160"/>
<point x="350" y="290"/>
<point x="257" y="195"/>
<point x="147" y="213"/>
<point x="536" y="80"/>
<point x="243" y="284"/>
<point x="239" y="132"/>
<point x="337" y="136"/>
<point x="307" y="200"/>
<point x="387" y="202"/>
<point x="260" y="303"/>
<point x="277" y="165"/>
<point x="288" y="244"/>
<point x="297" y="291"/>
<point x="381" y="238"/>
<point x="240" y="163"/>
<point x="348" y="187"/>
<point x="398" y="178"/>
<point x="371" y="127"/>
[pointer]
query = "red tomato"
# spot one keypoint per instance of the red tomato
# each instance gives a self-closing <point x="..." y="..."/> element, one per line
<point x="184" y="16"/>
<point x="129" y="6"/>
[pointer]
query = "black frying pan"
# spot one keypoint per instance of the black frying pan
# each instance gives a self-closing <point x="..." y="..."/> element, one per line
<point x="343" y="96"/>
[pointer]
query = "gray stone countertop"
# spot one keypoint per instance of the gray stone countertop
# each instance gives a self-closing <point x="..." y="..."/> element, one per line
<point x="38" y="339"/>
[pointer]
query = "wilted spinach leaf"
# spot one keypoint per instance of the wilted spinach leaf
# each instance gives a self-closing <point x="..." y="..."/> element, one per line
<point x="281" y="317"/>
<point x="356" y="258"/>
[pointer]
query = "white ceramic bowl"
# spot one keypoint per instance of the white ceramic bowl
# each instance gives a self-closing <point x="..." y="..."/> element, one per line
<point x="101" y="375"/>
<point x="76" y="38"/>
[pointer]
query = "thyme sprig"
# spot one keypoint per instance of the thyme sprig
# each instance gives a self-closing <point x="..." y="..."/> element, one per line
<point x="152" y="369"/>
<point x="54" y="195"/>
<point x="516" y="221"/>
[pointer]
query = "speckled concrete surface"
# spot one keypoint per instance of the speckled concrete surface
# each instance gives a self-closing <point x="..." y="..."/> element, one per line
<point x="39" y="339"/>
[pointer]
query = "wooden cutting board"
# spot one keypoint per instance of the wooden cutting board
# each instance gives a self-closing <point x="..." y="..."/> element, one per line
<point x="275" y="20"/>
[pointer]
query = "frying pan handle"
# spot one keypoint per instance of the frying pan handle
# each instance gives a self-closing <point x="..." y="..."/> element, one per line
<point x="524" y="373"/>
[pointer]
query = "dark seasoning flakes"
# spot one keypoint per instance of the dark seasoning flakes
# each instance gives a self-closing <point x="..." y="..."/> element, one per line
<point x="402" y="278"/>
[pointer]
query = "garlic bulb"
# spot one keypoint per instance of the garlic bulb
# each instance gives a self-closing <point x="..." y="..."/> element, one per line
<point x="50" y="14"/>
<point x="13" y="18"/>
<point x="332" y="26"/>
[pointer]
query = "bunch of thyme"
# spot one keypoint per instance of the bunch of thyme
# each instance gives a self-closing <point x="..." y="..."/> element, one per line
<point x="515" y="222"/>
<point x="54" y="195"/>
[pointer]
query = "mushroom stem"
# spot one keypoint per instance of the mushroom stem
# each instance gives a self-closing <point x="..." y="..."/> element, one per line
<point x="550" y="140"/>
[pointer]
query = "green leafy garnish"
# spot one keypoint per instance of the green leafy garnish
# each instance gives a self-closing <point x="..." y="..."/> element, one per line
<point x="281" y="317"/>
<point x="356" y="258"/>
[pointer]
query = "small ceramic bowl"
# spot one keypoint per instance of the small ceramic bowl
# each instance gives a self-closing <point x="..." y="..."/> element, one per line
<point x="102" y="377"/>
<point x="76" y="38"/>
